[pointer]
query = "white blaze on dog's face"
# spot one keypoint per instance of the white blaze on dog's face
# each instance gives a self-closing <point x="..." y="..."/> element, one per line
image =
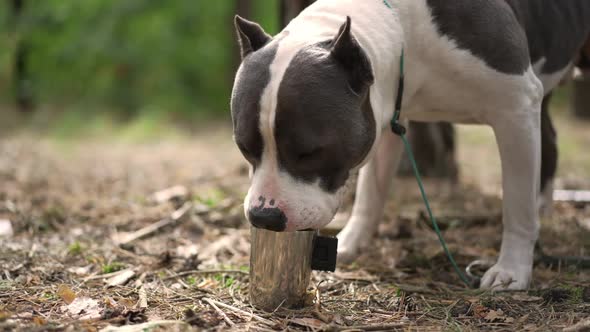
<point x="302" y="119"/>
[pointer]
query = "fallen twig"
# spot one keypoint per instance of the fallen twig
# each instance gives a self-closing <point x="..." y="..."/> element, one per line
<point x="225" y="318"/>
<point x="381" y="327"/>
<point x="176" y="216"/>
<point x="186" y="273"/>
<point x="104" y="276"/>
<point x="238" y="310"/>
<point x="121" y="278"/>
<point x="142" y="327"/>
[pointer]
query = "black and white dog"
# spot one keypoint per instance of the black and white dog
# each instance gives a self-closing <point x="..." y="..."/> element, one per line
<point x="312" y="105"/>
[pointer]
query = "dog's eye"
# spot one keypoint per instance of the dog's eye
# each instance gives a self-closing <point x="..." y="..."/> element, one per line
<point x="246" y="153"/>
<point x="309" y="155"/>
<point x="243" y="149"/>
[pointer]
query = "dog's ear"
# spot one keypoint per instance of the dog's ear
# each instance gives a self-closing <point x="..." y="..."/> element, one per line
<point x="347" y="51"/>
<point x="250" y="35"/>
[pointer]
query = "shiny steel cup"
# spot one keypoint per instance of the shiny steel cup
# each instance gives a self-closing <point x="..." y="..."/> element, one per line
<point x="280" y="268"/>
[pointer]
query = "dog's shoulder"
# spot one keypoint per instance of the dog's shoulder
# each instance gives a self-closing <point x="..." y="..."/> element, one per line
<point x="487" y="28"/>
<point x="555" y="29"/>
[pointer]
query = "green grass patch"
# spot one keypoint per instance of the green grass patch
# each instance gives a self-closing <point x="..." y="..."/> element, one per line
<point x="212" y="198"/>
<point x="561" y="99"/>
<point x="191" y="281"/>
<point x="112" y="267"/>
<point x="75" y="249"/>
<point x="225" y="280"/>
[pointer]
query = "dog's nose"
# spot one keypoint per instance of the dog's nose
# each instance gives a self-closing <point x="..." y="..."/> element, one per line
<point x="272" y="219"/>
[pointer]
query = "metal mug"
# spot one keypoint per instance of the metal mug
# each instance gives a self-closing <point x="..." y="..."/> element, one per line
<point x="281" y="265"/>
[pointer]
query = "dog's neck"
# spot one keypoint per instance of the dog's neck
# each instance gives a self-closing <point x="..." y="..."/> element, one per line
<point x="376" y="27"/>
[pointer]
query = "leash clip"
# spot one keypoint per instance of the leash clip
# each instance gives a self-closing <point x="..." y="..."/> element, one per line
<point x="397" y="128"/>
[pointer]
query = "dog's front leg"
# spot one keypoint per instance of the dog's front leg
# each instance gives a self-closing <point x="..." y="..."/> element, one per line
<point x="519" y="142"/>
<point x="373" y="186"/>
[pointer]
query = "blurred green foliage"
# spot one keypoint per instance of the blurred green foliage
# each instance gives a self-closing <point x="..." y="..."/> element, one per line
<point x="128" y="56"/>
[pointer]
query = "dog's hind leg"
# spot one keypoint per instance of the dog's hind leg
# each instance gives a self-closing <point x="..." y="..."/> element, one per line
<point x="519" y="141"/>
<point x="548" y="158"/>
<point x="373" y="186"/>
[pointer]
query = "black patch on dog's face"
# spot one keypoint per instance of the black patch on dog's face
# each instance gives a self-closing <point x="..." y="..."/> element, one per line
<point x="324" y="127"/>
<point x="487" y="28"/>
<point x="253" y="78"/>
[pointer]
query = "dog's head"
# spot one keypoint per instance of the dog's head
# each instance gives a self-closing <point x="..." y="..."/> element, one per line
<point x="302" y="118"/>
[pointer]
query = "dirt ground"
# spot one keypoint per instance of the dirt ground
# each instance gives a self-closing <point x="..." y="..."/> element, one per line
<point x="76" y="261"/>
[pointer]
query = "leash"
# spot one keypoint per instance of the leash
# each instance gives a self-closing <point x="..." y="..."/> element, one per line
<point x="398" y="129"/>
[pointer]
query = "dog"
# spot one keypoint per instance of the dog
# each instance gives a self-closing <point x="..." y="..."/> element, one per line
<point x="311" y="107"/>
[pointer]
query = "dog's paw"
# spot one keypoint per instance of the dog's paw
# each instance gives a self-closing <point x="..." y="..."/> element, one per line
<point x="351" y="240"/>
<point x="347" y="254"/>
<point x="545" y="201"/>
<point x="504" y="278"/>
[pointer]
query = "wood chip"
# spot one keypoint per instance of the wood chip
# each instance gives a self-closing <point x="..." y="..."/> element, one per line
<point x="142" y="303"/>
<point x="121" y="278"/>
<point x="6" y="228"/>
<point x="169" y="194"/>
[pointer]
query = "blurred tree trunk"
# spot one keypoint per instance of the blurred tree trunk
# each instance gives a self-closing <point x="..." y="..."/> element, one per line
<point x="291" y="8"/>
<point x="23" y="91"/>
<point x="580" y="101"/>
<point x="244" y="8"/>
<point x="433" y="143"/>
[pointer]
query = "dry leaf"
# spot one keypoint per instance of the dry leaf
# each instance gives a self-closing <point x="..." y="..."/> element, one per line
<point x="480" y="311"/>
<point x="39" y="321"/>
<point x="110" y="302"/>
<point x="494" y="315"/>
<point x="66" y="294"/>
<point x="308" y="322"/>
<point x="127" y="303"/>
<point x="83" y="308"/>
<point x="4" y="315"/>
